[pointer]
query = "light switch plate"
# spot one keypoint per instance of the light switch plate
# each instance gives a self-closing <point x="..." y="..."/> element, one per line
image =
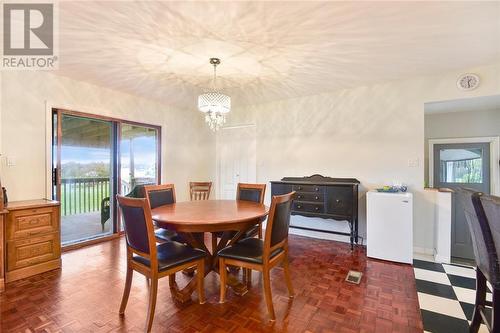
<point x="11" y="161"/>
<point x="413" y="162"/>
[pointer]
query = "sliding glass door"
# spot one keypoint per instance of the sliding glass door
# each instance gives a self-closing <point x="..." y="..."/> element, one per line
<point x="93" y="159"/>
<point x="85" y="177"/>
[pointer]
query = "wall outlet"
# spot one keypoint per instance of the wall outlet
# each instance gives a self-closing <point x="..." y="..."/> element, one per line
<point x="413" y="162"/>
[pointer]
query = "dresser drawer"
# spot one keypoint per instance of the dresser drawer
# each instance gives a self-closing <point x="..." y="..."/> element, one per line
<point x="340" y="200"/>
<point x="310" y="196"/>
<point x="32" y="222"/>
<point x="31" y="251"/>
<point x="308" y="207"/>
<point x="309" y="188"/>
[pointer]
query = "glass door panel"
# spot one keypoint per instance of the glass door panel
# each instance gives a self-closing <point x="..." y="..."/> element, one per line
<point x="138" y="158"/>
<point x="85" y="178"/>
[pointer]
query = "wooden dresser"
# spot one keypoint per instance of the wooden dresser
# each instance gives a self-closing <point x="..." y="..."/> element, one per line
<point x="32" y="238"/>
<point x="325" y="197"/>
<point x="3" y="213"/>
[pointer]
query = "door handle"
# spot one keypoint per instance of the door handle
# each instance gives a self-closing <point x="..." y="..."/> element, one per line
<point x="405" y="201"/>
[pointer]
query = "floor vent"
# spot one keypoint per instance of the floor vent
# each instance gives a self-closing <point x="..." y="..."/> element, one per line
<point x="354" y="277"/>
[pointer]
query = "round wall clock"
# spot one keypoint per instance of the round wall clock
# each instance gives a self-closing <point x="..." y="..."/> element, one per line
<point x="468" y="81"/>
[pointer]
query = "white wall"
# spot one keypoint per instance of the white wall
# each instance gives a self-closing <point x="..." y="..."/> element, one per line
<point x="459" y="125"/>
<point x="188" y="147"/>
<point x="368" y="133"/>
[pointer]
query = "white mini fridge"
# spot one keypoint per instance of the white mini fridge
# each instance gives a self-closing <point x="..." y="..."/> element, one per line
<point x="389" y="226"/>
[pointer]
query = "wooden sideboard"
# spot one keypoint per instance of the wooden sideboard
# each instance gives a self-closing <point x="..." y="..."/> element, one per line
<point x="30" y="239"/>
<point x="325" y="197"/>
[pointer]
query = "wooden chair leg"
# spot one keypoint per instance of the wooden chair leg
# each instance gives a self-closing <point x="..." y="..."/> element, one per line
<point x="223" y="277"/>
<point x="267" y="293"/>
<point x="480" y="301"/>
<point x="288" y="278"/>
<point x="200" y="281"/>
<point x="126" y="291"/>
<point x="171" y="280"/>
<point x="247" y="277"/>
<point x="153" y="291"/>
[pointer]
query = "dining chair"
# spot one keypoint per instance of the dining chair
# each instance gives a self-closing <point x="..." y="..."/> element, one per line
<point x="482" y="213"/>
<point x="262" y="255"/>
<point x="153" y="261"/>
<point x="491" y="208"/>
<point x="246" y="192"/>
<point x="159" y="195"/>
<point x="254" y="193"/>
<point x="199" y="190"/>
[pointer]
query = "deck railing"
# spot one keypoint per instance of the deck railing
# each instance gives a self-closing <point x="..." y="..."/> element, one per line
<point x="84" y="195"/>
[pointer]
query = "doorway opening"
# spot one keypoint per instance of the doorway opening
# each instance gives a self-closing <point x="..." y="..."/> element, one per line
<point x="462" y="150"/>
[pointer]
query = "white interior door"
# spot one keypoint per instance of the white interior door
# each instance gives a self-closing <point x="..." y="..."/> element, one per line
<point x="236" y="159"/>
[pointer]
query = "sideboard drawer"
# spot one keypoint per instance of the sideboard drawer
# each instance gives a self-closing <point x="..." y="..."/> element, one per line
<point x="309" y="196"/>
<point x="308" y="188"/>
<point x="32" y="222"/>
<point x="308" y="207"/>
<point x="31" y="251"/>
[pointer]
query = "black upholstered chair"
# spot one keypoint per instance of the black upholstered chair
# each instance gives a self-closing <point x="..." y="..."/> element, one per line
<point x="255" y="193"/>
<point x="159" y="195"/>
<point x="262" y="255"/>
<point x="137" y="192"/>
<point x="246" y="192"/>
<point x="153" y="261"/>
<point x="483" y="217"/>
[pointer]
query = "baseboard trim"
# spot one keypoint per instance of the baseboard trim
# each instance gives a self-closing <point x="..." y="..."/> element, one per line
<point x="442" y="259"/>
<point x="423" y="250"/>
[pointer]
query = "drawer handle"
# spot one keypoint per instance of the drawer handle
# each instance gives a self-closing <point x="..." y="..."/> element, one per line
<point x="299" y="188"/>
<point x="316" y="208"/>
<point x="34" y="233"/>
<point x="299" y="196"/>
<point x="299" y="206"/>
<point x="316" y="197"/>
<point x="316" y="189"/>
<point x="337" y="200"/>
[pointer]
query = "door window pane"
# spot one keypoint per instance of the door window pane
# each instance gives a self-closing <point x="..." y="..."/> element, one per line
<point x="461" y="165"/>
<point x="138" y="157"/>
<point x="86" y="178"/>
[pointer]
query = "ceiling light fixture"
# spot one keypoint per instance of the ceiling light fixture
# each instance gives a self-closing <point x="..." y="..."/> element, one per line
<point x="214" y="104"/>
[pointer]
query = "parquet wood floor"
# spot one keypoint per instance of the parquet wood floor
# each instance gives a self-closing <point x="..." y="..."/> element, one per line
<point x="85" y="296"/>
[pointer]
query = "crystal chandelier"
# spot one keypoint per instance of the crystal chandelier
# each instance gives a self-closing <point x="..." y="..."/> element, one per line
<point x="214" y="104"/>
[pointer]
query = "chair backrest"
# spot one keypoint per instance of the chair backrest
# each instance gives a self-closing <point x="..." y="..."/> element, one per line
<point x="159" y="195"/>
<point x="199" y="190"/>
<point x="251" y="192"/>
<point x="491" y="208"/>
<point x="138" y="191"/>
<point x="482" y="242"/>
<point x="138" y="225"/>
<point x="278" y="223"/>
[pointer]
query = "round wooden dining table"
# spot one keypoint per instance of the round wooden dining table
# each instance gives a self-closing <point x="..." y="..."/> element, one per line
<point x="228" y="219"/>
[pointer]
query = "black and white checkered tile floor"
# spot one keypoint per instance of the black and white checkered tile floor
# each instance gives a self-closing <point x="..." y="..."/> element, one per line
<point x="446" y="296"/>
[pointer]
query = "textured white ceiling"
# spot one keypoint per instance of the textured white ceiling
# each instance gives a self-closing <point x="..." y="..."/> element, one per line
<point x="269" y="50"/>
